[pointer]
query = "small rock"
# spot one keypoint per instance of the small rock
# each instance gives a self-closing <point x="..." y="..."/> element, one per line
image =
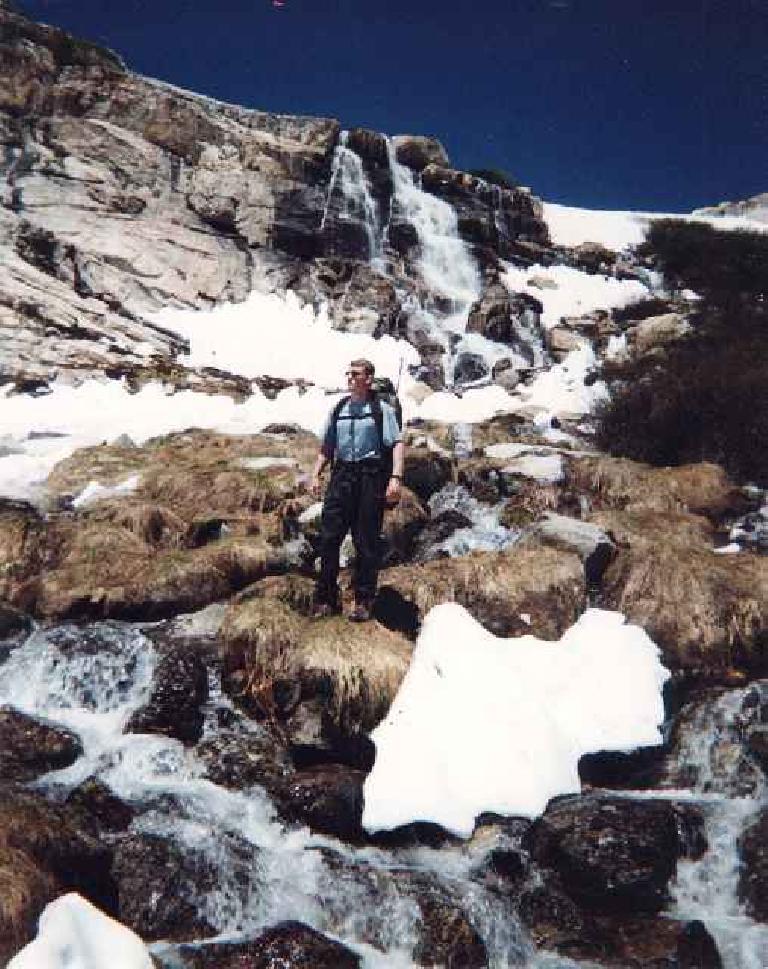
<point x="30" y="747"/>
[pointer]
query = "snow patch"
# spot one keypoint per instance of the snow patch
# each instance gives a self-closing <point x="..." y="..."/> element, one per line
<point x="94" y="491"/>
<point x="482" y="723"/>
<point x="73" y="934"/>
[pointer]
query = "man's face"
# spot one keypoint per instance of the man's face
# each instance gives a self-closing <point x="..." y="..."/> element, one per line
<point x="359" y="380"/>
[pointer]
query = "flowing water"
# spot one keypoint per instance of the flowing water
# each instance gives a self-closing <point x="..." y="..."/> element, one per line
<point x="92" y="678"/>
<point x="349" y="190"/>
<point x="710" y="757"/>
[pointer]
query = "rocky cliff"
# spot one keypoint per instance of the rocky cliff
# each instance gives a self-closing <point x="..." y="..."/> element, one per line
<point x="122" y="194"/>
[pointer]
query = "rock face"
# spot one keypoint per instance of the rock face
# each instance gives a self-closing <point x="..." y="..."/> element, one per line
<point x="122" y="194"/>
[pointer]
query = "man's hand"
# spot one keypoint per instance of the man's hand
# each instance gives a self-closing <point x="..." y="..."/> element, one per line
<point x="315" y="486"/>
<point x="392" y="496"/>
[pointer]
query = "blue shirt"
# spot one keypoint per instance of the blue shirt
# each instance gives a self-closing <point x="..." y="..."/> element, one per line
<point x="356" y="437"/>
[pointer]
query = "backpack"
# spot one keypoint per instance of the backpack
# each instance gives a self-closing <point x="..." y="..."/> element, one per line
<point x="383" y="390"/>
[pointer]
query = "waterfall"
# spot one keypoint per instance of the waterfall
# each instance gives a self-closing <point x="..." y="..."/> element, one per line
<point x="445" y="263"/>
<point x="732" y="790"/>
<point x="349" y="187"/>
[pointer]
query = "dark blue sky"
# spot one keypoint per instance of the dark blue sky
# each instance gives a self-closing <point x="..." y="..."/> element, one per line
<point x="602" y="103"/>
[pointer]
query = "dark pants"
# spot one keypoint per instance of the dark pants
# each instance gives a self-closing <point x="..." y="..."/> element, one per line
<point x="354" y="501"/>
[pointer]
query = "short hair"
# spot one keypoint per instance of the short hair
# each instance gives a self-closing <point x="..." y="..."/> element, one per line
<point x="365" y="364"/>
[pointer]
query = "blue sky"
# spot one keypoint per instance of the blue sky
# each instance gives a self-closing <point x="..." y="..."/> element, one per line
<point x="656" y="105"/>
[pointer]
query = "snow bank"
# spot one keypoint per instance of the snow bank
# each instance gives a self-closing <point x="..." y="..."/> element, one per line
<point x="274" y="335"/>
<point x="73" y="934"/>
<point x="488" y="724"/>
<point x="575" y="293"/>
<point x="570" y="226"/>
<point x="561" y="391"/>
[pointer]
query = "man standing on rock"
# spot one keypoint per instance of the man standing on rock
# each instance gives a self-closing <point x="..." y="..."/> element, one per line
<point x="363" y="441"/>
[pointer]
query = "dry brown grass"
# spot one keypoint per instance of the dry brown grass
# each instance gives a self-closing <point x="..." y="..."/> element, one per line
<point x="24" y="891"/>
<point x="269" y="649"/>
<point x="529" y="579"/>
<point x="104" y="571"/>
<point x="704" y="610"/>
<point x="702" y="489"/>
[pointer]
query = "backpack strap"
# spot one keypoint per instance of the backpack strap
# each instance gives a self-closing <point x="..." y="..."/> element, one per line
<point x="329" y="444"/>
<point x="378" y="419"/>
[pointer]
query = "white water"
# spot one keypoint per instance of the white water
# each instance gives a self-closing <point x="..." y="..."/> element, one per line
<point x="348" y="179"/>
<point x="445" y="262"/>
<point x="91" y="679"/>
<point x="733" y="791"/>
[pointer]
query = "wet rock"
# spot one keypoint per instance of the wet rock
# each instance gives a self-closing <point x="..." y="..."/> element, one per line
<point x="552" y="918"/>
<point x="468" y="368"/>
<point x="96" y="800"/>
<point x="753" y="881"/>
<point x="287" y="944"/>
<point x="239" y="759"/>
<point x="30" y="747"/>
<point x="521" y="590"/>
<point x="402" y="236"/>
<point x="179" y="691"/>
<point x="438" y="529"/>
<point x="449" y="938"/>
<point x="510" y="318"/>
<point x="162" y="887"/>
<point x="21" y="529"/>
<point x="617" y="770"/>
<point x="328" y="799"/>
<point x="426" y="472"/>
<point x="44" y="852"/>
<point x="613" y="855"/>
<point x="13" y="622"/>
<point x="757" y="744"/>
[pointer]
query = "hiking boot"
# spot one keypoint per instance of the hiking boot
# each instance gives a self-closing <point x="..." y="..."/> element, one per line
<point x="362" y="612"/>
<point x="323" y="610"/>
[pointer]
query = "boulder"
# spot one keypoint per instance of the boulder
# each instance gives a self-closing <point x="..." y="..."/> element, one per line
<point x="522" y="590"/>
<point x="21" y="528"/>
<point x="657" y="332"/>
<point x="592" y="257"/>
<point x="510" y="318"/>
<point x="44" y="853"/>
<point x="327" y="798"/>
<point x="561" y="340"/>
<point x="591" y="544"/>
<point x="285" y="944"/>
<point x="179" y="690"/>
<point x="753" y="879"/>
<point x="417" y="151"/>
<point x="469" y="368"/>
<point x="30" y="747"/>
<point x="614" y="855"/>
<point x="327" y="683"/>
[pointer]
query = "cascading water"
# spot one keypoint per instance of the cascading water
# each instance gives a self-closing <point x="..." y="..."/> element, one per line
<point x="445" y="262"/>
<point x="349" y="190"/>
<point x="92" y="679"/>
<point x="732" y="791"/>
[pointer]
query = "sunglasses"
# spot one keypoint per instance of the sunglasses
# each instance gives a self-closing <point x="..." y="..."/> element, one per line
<point x="356" y="373"/>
